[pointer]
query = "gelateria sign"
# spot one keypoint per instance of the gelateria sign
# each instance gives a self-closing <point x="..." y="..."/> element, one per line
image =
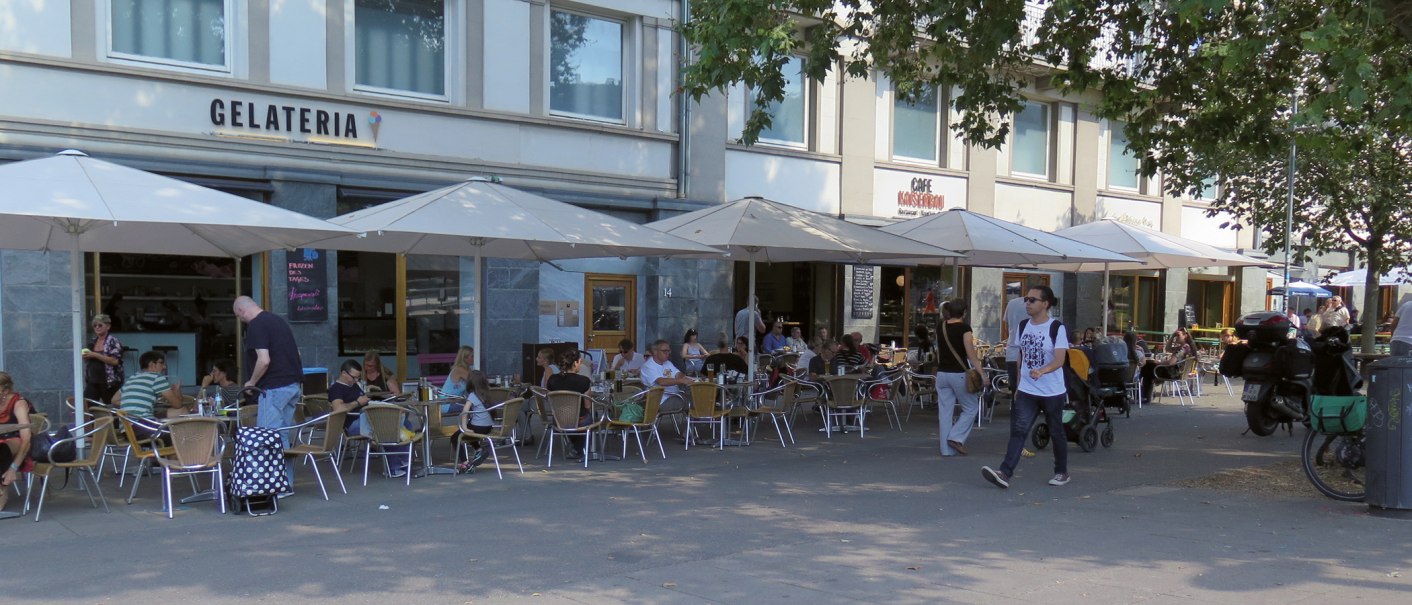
<point x="263" y="120"/>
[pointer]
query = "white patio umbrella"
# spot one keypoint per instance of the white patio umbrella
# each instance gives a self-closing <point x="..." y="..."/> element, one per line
<point x="480" y="218"/>
<point x="986" y="241"/>
<point x="762" y="230"/>
<point x="78" y="204"/>
<point x="1300" y="288"/>
<point x="1153" y="248"/>
<point x="1358" y="277"/>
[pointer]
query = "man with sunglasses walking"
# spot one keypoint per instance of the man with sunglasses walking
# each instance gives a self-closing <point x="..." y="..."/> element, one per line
<point x="1043" y="349"/>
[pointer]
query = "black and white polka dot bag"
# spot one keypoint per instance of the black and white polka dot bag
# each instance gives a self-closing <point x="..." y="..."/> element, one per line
<point x="258" y="468"/>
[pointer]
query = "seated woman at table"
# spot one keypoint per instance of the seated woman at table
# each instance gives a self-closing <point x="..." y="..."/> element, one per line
<point x="475" y="417"/>
<point x="628" y="359"/>
<point x="1151" y="368"/>
<point x="742" y="348"/>
<point x="375" y="375"/>
<point x="1088" y="337"/>
<point x="1228" y="337"/>
<point x="571" y="380"/>
<point x="849" y="356"/>
<point x="545" y="360"/>
<point x="457" y="381"/>
<point x="693" y="353"/>
<point x="14" y="445"/>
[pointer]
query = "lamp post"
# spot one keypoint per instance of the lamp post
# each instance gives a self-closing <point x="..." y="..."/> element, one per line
<point x="1289" y="195"/>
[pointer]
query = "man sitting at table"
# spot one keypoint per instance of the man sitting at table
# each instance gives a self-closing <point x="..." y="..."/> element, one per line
<point x="344" y="395"/>
<point x="627" y="359"/>
<point x="138" y="397"/>
<point x="776" y="339"/>
<point x="659" y="371"/>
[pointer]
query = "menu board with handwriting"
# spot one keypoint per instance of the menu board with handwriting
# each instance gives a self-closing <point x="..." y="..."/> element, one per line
<point x="863" y="291"/>
<point x="307" y="276"/>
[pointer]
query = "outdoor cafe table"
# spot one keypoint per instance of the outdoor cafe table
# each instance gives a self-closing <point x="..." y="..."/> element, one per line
<point x="426" y="432"/>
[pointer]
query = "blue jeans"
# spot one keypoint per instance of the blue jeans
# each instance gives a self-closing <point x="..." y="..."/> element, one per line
<point x="276" y="411"/>
<point x="1022" y="415"/>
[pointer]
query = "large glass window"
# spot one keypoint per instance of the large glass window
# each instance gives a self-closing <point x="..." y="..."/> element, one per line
<point x="585" y="66"/>
<point x="182" y="31"/>
<point x="914" y="126"/>
<point x="400" y="45"/>
<point x="790" y="114"/>
<point x="1122" y="164"/>
<point x="1031" y="149"/>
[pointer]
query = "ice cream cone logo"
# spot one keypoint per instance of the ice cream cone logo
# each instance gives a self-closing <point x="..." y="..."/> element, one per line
<point x="375" y="120"/>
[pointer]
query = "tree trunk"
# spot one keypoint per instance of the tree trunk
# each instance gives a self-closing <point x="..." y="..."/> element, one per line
<point x="1372" y="295"/>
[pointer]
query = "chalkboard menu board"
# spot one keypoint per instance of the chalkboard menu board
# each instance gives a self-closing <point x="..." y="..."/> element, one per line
<point x="863" y="291"/>
<point x="308" y="285"/>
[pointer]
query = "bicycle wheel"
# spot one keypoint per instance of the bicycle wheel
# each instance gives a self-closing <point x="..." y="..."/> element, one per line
<point x="1335" y="464"/>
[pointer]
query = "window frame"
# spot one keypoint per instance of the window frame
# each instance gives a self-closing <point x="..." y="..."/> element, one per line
<point x="1049" y="138"/>
<point x="625" y="59"/>
<point x="941" y="125"/>
<point x="229" y="8"/>
<point x="808" y="112"/>
<point x="452" y="56"/>
<point x="1114" y="127"/>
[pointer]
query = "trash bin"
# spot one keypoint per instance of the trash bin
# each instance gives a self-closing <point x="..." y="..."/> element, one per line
<point x="1389" y="439"/>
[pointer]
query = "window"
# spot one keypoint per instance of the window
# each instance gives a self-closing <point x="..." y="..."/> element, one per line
<point x="585" y="66"/>
<point x="1031" y="148"/>
<point x="400" y="46"/>
<point x="914" y="126"/>
<point x="1209" y="189"/>
<point x="184" y="32"/>
<point x="1122" y="164"/>
<point x="791" y="113"/>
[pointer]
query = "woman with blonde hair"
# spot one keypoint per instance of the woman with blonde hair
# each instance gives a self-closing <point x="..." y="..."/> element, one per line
<point x="458" y="380"/>
<point x="375" y="375"/>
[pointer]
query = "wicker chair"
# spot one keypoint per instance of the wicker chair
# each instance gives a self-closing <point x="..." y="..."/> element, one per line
<point x="705" y="409"/>
<point x="196" y="450"/>
<point x="886" y="402"/>
<point x="115" y="447"/>
<point x="843" y="402"/>
<point x="651" y="404"/>
<point x="145" y="450"/>
<point x="565" y="407"/>
<point x="503" y="433"/>
<point x="386" y="421"/>
<point x="99" y="430"/>
<point x="780" y="410"/>
<point x="326" y="449"/>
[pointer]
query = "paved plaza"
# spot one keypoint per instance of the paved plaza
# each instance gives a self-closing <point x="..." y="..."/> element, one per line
<point x="846" y="520"/>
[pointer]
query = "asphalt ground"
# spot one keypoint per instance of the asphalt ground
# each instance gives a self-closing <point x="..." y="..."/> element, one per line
<point x="844" y="520"/>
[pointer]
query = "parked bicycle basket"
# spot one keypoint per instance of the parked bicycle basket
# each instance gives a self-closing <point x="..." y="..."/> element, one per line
<point x="1338" y="413"/>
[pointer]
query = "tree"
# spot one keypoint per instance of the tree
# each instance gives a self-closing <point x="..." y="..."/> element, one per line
<point x="1205" y="89"/>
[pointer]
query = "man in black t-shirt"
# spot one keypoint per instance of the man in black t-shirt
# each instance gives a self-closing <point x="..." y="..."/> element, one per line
<point x="275" y="367"/>
<point x="347" y="396"/>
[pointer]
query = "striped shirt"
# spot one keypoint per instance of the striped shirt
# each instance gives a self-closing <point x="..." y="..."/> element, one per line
<point x="140" y="393"/>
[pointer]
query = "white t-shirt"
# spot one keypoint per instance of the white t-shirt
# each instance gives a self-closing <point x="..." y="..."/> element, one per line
<point x="1014" y="314"/>
<point x="1403" y="333"/>
<point x="1037" y="352"/>
<point x="651" y="371"/>
<point x="629" y="366"/>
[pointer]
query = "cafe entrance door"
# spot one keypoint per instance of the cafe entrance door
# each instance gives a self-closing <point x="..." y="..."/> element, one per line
<point x="611" y="313"/>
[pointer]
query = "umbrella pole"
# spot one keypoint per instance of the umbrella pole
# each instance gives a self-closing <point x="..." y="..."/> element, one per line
<point x="76" y="289"/>
<point x="1105" y="299"/>
<point x="476" y="306"/>
<point x="750" y="304"/>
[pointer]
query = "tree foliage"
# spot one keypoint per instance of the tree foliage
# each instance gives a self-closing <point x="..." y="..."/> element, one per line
<point x="1205" y="88"/>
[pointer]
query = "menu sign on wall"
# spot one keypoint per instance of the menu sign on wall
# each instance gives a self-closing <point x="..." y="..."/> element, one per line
<point x="307" y="276"/>
<point x="863" y="291"/>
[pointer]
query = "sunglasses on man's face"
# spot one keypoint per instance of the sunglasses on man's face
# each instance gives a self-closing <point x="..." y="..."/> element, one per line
<point x="1032" y="300"/>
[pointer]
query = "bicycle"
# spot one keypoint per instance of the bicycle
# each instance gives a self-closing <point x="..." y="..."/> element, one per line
<point x="1334" y="456"/>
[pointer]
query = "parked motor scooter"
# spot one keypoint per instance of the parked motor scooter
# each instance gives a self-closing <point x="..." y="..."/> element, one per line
<point x="1278" y="368"/>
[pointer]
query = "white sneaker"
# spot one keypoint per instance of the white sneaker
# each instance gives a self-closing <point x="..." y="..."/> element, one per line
<point x="1060" y="479"/>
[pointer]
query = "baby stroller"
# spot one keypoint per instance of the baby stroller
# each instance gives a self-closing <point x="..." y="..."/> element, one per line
<point x="1083" y="412"/>
<point x="1114" y="370"/>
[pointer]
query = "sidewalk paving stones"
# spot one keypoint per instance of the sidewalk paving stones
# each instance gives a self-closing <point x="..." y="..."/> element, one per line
<point x="842" y="520"/>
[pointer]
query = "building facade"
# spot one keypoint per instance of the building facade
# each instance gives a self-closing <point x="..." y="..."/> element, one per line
<point x="328" y="106"/>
